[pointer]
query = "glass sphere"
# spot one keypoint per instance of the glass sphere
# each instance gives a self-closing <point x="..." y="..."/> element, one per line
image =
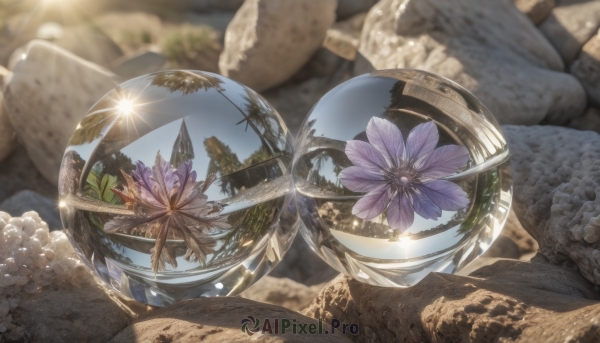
<point x="399" y="173"/>
<point x="175" y="185"/>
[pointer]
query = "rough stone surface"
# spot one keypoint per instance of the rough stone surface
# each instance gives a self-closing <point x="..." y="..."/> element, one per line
<point x="302" y="265"/>
<point x="556" y="173"/>
<point x="343" y="37"/>
<point x="282" y="292"/>
<point x="17" y="173"/>
<point x="494" y="51"/>
<point x="589" y="122"/>
<point x="265" y="45"/>
<point x="536" y="10"/>
<point x="46" y="97"/>
<point x="586" y="68"/>
<point x="89" y="43"/>
<point x="70" y="314"/>
<point x="8" y="137"/>
<point x="347" y="8"/>
<point x="568" y="28"/>
<point x="509" y="301"/>
<point x="25" y="201"/>
<point x="215" y="320"/>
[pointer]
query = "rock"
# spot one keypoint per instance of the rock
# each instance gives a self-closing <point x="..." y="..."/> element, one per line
<point x="508" y="301"/>
<point x="89" y="43"/>
<point x="536" y="10"/>
<point x="348" y="8"/>
<point x="568" y="28"/>
<point x="511" y="68"/>
<point x="25" y="201"/>
<point x="17" y="173"/>
<point x="300" y="264"/>
<point x="217" y="320"/>
<point x="282" y="292"/>
<point x="44" y="106"/>
<point x="344" y="36"/>
<point x="8" y="137"/>
<point x="586" y="68"/>
<point x="70" y="314"/>
<point x="48" y="294"/>
<point x="589" y="122"/>
<point x="265" y="45"/>
<point x="142" y="62"/>
<point x="556" y="173"/>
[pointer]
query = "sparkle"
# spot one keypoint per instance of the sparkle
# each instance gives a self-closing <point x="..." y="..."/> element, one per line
<point x="219" y="285"/>
<point x="62" y="204"/>
<point x="125" y="106"/>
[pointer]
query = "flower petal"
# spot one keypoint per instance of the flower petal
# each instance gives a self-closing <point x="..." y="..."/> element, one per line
<point x="424" y="206"/>
<point x="164" y="177"/>
<point x="400" y="213"/>
<point x="373" y="203"/>
<point x="421" y="141"/>
<point x="364" y="155"/>
<point x="444" y="161"/>
<point x="386" y="138"/>
<point x="445" y="194"/>
<point x="357" y="179"/>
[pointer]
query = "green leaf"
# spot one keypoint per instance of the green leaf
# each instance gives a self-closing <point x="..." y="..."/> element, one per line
<point x="92" y="188"/>
<point x="108" y="182"/>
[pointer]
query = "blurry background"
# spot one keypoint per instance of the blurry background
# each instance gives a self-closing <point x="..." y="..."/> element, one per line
<point x="530" y="61"/>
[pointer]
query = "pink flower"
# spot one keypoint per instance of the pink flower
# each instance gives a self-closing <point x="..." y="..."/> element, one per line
<point x="168" y="202"/>
<point x="403" y="178"/>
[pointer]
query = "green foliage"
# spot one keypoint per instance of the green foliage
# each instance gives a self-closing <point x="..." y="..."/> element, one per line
<point x="99" y="187"/>
<point x="187" y="42"/>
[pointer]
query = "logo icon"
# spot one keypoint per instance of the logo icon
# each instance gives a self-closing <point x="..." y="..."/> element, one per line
<point x="247" y="328"/>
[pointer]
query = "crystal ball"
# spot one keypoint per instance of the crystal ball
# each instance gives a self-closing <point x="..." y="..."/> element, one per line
<point x="176" y="185"/>
<point x="399" y="173"/>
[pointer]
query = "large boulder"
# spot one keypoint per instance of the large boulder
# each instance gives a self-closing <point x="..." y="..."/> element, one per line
<point x="569" y="27"/>
<point x="219" y="320"/>
<point x="506" y="301"/>
<point x="269" y="40"/>
<point x="493" y="50"/>
<point x="46" y="97"/>
<point x="556" y="174"/>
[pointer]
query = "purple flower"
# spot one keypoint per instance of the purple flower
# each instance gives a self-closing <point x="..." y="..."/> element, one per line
<point x="169" y="203"/>
<point x="403" y="177"/>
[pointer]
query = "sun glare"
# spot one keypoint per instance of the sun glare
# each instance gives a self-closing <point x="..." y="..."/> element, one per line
<point x="125" y="106"/>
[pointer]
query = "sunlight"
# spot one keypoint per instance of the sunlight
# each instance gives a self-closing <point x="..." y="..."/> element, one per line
<point x="125" y="106"/>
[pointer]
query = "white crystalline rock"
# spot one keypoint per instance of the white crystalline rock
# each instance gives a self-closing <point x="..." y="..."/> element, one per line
<point x="31" y="257"/>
